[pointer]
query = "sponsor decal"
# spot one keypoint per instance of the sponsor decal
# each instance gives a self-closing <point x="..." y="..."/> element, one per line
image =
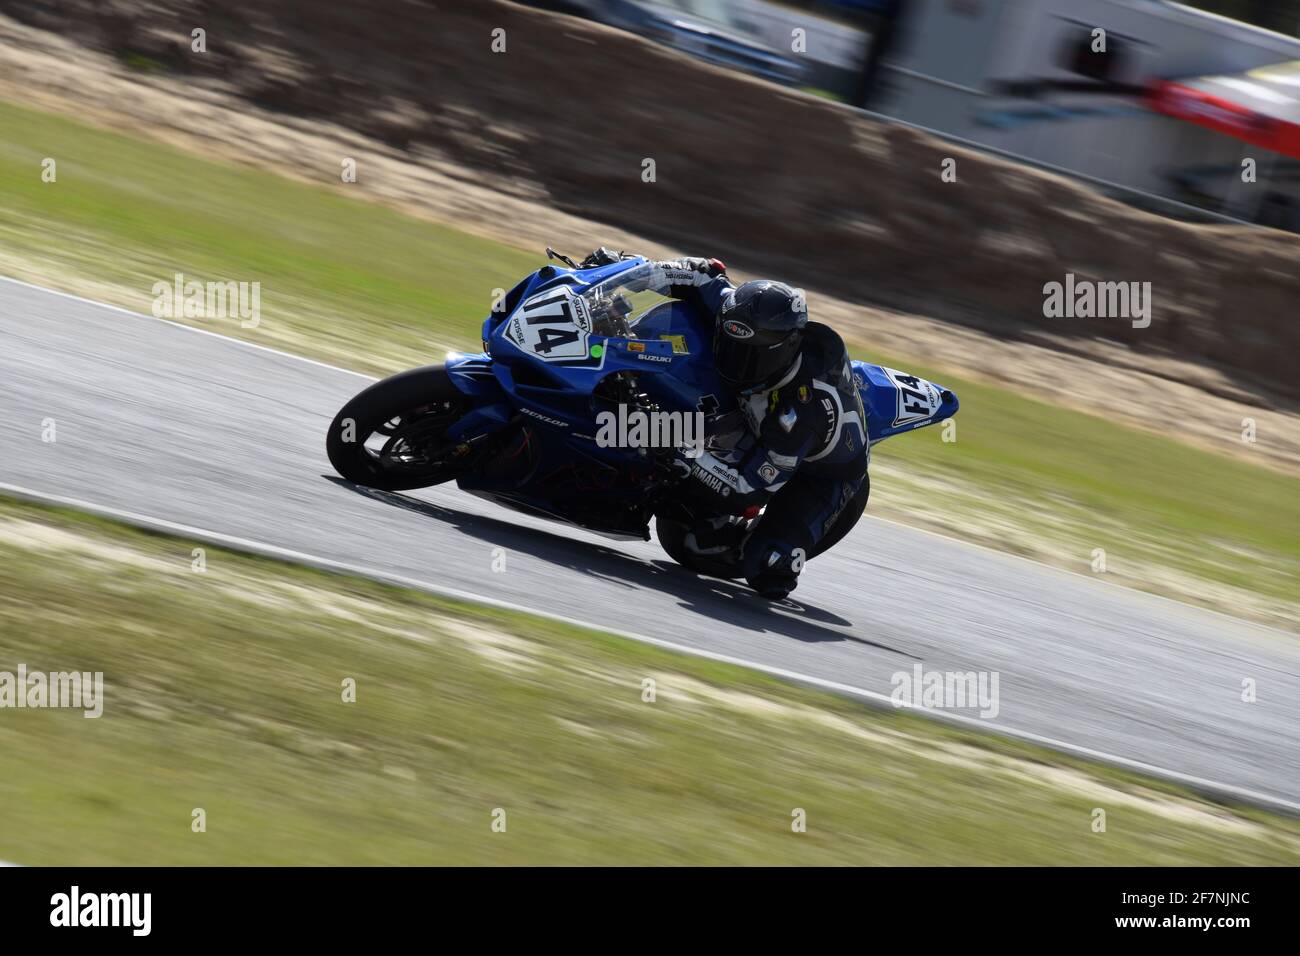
<point x="655" y="358"/>
<point x="767" y="471"/>
<point x="581" y="315"/>
<point x="737" y="329"/>
<point x="829" y="407"/>
<point x="847" y="492"/>
<point x="710" y="481"/>
<point x="729" y="477"/>
<point x="636" y="346"/>
<point x="678" y="343"/>
<point x="917" y="398"/>
<point x="545" y="418"/>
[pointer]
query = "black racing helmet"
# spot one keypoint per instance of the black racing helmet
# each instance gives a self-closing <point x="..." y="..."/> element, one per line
<point x="759" y="331"/>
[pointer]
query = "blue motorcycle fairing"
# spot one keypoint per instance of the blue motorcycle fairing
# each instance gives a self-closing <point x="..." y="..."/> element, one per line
<point x="562" y="472"/>
<point x="668" y="340"/>
<point x="472" y="374"/>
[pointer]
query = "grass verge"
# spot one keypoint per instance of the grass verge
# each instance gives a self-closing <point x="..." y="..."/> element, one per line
<point x="364" y="287"/>
<point x="223" y="691"/>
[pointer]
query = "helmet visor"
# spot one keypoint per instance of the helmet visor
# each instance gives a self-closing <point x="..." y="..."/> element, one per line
<point x="746" y="363"/>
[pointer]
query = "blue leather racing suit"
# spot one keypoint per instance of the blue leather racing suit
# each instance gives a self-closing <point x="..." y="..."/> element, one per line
<point x="798" y="446"/>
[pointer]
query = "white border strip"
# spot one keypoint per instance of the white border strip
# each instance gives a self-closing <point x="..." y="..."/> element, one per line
<point x="1209" y="787"/>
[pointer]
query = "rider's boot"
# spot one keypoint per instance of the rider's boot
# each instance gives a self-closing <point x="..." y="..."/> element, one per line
<point x="715" y="536"/>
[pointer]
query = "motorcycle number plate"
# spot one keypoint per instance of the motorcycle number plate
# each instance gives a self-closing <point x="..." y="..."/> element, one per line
<point x="917" y="398"/>
<point x="552" y="326"/>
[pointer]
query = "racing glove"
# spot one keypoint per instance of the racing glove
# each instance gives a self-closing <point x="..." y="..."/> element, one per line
<point x="704" y="280"/>
<point x="691" y="270"/>
<point x="603" y="256"/>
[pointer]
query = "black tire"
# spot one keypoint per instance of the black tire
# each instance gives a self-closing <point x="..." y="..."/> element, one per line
<point x="406" y="416"/>
<point x="672" y="538"/>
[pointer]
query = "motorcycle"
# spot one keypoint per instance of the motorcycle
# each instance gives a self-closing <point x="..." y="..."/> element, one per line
<point x="566" y="348"/>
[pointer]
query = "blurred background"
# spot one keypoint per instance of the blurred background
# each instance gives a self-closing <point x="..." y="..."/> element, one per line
<point x="1025" y="78"/>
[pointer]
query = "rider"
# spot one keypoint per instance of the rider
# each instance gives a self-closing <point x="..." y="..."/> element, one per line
<point x="799" y="437"/>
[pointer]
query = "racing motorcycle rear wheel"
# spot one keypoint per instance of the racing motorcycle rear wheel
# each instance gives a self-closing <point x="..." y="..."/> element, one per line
<point x="392" y="436"/>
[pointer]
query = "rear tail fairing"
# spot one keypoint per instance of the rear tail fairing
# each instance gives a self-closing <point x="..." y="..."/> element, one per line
<point x="899" y="401"/>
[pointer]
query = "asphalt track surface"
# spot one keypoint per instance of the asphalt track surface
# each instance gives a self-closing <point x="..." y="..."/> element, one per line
<point x="198" y="433"/>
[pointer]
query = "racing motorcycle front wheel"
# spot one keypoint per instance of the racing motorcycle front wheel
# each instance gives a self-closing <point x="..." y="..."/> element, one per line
<point x="392" y="436"/>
